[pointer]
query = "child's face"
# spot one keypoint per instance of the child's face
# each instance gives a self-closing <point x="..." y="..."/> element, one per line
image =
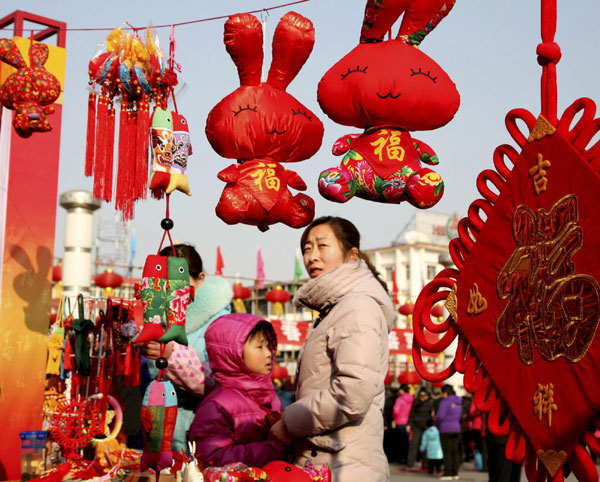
<point x="257" y="354"/>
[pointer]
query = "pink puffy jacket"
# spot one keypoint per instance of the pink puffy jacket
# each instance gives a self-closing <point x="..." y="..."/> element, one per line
<point x="402" y="408"/>
<point x="227" y="425"/>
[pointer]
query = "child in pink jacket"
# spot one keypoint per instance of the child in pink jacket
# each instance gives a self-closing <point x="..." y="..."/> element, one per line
<point x="229" y="425"/>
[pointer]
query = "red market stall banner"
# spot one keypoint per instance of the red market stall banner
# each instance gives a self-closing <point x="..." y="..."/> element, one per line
<point x="291" y="332"/>
<point x="27" y="226"/>
<point x="401" y="340"/>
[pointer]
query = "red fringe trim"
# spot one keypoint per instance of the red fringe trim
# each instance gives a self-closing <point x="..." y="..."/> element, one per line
<point x="91" y="131"/>
<point x="100" y="143"/>
<point x="142" y="143"/>
<point x="121" y="172"/>
<point x="108" y="168"/>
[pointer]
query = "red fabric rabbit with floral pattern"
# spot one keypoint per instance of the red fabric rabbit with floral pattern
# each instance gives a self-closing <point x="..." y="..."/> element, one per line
<point x="388" y="88"/>
<point x="29" y="91"/>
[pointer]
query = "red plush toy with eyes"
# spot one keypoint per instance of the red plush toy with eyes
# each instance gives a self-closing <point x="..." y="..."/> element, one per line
<point x="30" y="91"/>
<point x="388" y="88"/>
<point x="261" y="126"/>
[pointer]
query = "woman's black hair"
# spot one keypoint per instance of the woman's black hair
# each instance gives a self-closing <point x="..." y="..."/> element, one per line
<point x="190" y="254"/>
<point x="349" y="238"/>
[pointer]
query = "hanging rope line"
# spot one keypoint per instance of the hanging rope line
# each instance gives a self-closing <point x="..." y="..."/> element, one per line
<point x="167" y="25"/>
<point x="548" y="56"/>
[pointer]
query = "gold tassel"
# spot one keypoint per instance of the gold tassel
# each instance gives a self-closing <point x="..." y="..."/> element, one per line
<point x="239" y="305"/>
<point x="277" y="309"/>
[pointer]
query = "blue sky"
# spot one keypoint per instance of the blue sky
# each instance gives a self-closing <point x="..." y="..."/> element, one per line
<point x="487" y="48"/>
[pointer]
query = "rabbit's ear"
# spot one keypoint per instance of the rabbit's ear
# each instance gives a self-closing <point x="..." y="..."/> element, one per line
<point x="38" y="55"/>
<point x="244" y="42"/>
<point x="380" y="15"/>
<point x="421" y="17"/>
<point x="9" y="53"/>
<point x="292" y="44"/>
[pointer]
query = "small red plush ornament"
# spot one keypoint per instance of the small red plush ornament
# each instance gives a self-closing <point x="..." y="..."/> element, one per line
<point x="30" y="91"/>
<point x="279" y="471"/>
<point x="388" y="88"/>
<point x="261" y="125"/>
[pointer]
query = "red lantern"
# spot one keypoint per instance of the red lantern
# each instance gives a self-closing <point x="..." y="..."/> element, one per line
<point x="409" y="378"/>
<point x="57" y="273"/>
<point x="437" y="311"/>
<point x="279" y="372"/>
<point x="278" y="296"/>
<point x="388" y="378"/>
<point x="108" y="280"/>
<point x="407" y="308"/>
<point x="439" y="384"/>
<point x="240" y="293"/>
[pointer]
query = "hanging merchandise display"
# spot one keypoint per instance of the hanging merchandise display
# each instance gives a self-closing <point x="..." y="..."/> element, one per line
<point x="524" y="299"/>
<point x="31" y="90"/>
<point x="262" y="126"/>
<point x="389" y="88"/>
<point x="92" y="358"/>
<point x="137" y="75"/>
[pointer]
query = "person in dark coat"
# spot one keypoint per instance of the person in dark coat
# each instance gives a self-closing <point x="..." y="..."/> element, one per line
<point x="420" y="412"/>
<point x="390" y="436"/>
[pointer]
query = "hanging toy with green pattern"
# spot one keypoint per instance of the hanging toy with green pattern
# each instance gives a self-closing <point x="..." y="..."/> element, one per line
<point x="179" y="295"/>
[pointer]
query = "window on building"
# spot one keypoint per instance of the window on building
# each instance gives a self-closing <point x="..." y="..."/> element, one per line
<point x="389" y="275"/>
<point x="407" y="273"/>
<point x="431" y="272"/>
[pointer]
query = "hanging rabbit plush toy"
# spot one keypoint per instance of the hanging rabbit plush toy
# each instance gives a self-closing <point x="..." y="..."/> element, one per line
<point x="261" y="126"/>
<point x="389" y="88"/>
<point x="29" y="91"/>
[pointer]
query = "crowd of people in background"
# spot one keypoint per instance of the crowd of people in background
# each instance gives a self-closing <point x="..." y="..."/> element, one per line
<point x="436" y="431"/>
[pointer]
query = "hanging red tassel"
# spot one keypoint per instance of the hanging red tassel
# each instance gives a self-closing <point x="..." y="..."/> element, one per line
<point x="67" y="355"/>
<point x="100" y="158"/>
<point x="108" y="167"/>
<point x="129" y="167"/>
<point x="142" y="143"/>
<point x="121" y="173"/>
<point x="91" y="131"/>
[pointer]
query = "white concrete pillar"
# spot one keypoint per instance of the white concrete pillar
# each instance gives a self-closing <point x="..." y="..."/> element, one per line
<point x="79" y="235"/>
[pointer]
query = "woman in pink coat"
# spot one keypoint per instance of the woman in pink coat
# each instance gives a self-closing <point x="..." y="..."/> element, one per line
<point x="229" y="425"/>
<point x="402" y="407"/>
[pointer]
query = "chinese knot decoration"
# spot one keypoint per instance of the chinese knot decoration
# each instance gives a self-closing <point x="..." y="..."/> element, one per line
<point x="136" y="74"/>
<point x="261" y="126"/>
<point x="524" y="301"/>
<point x="389" y="88"/>
<point x="30" y="91"/>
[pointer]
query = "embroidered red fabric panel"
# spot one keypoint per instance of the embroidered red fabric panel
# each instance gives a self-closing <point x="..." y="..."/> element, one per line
<point x="527" y="297"/>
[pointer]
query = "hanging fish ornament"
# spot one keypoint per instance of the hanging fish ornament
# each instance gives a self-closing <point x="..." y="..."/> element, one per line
<point x="158" y="417"/>
<point x="152" y="292"/>
<point x="179" y="296"/>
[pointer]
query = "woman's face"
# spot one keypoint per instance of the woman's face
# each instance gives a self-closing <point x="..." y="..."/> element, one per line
<point x="323" y="251"/>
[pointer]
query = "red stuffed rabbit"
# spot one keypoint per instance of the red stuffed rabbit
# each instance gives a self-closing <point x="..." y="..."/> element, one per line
<point x="261" y="125"/>
<point x="29" y="91"/>
<point x="388" y="88"/>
